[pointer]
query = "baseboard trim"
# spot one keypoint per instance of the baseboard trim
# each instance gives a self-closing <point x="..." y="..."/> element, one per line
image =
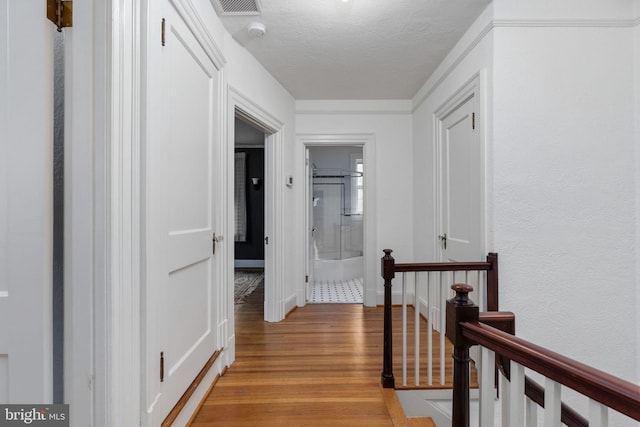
<point x="209" y="390"/>
<point x="179" y="406"/>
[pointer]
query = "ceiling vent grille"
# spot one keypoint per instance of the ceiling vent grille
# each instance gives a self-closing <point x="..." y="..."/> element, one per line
<point x="237" y="7"/>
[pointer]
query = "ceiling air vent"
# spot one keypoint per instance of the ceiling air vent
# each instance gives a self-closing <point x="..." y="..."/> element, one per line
<point x="237" y="7"/>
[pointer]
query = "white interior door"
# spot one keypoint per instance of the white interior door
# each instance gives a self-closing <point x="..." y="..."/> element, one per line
<point x="461" y="185"/>
<point x="183" y="142"/>
<point x="309" y="225"/>
<point x="26" y="236"/>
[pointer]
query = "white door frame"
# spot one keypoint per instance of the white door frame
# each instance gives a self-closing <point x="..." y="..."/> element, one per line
<point x="90" y="282"/>
<point x="471" y="89"/>
<point x="367" y="141"/>
<point x="274" y="302"/>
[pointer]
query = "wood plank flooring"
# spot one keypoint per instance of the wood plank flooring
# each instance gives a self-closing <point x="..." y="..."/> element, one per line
<point x="319" y="367"/>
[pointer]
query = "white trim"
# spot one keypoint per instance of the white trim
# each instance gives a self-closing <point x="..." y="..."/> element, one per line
<point x="123" y="298"/>
<point x="194" y="21"/>
<point x="367" y="141"/>
<point x="454" y="64"/>
<point x="355" y="107"/>
<point x="87" y="237"/>
<point x="355" y="112"/>
<point x="274" y="304"/>
<point x="565" y="23"/>
<point x="513" y="23"/>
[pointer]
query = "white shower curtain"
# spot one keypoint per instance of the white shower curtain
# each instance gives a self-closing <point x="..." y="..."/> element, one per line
<point x="240" y="198"/>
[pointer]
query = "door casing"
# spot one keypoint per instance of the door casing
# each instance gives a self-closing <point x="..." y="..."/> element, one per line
<point x="367" y="142"/>
<point x="470" y="92"/>
<point x="275" y="305"/>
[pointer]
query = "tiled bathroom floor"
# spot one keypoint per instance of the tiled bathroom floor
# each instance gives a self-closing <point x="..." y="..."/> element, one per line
<point x="337" y="291"/>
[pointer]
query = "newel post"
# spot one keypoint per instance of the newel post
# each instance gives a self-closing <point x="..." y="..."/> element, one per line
<point x="492" y="282"/>
<point x="460" y="309"/>
<point x="388" y="264"/>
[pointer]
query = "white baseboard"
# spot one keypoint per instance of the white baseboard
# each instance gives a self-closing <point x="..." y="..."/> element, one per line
<point x="200" y="392"/>
<point x="290" y="303"/>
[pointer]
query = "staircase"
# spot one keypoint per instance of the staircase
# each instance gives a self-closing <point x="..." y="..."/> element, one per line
<point x="484" y="338"/>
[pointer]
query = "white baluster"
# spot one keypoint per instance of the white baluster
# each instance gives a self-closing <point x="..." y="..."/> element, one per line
<point x="487" y="390"/>
<point x="481" y="289"/>
<point x="516" y="395"/>
<point x="416" y="320"/>
<point x="443" y="298"/>
<point x="505" y="398"/>
<point x="430" y="331"/>
<point x="531" y="413"/>
<point x="598" y="414"/>
<point x="552" y="403"/>
<point x="404" y="330"/>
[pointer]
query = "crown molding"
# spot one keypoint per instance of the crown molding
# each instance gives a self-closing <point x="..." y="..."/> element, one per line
<point x="567" y="23"/>
<point x="461" y="56"/>
<point x="194" y="21"/>
<point x="354" y="107"/>
<point x="519" y="23"/>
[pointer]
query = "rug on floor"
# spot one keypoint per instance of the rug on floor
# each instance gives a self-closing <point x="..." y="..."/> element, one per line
<point x="245" y="282"/>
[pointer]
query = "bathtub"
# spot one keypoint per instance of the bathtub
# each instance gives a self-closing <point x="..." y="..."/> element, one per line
<point x="349" y="267"/>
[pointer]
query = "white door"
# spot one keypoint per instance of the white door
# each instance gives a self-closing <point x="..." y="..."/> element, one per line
<point x="461" y="185"/>
<point x="182" y="145"/>
<point x="309" y="225"/>
<point x="26" y="162"/>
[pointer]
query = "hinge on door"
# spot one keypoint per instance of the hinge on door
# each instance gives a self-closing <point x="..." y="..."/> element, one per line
<point x="306" y="279"/>
<point x="162" y="366"/>
<point x="60" y="12"/>
<point x="473" y="120"/>
<point x="162" y="37"/>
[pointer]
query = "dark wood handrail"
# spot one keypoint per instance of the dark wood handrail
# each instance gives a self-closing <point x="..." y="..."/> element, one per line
<point x="490" y="266"/>
<point x="607" y="389"/>
<point x="388" y="269"/>
<point x="443" y="266"/>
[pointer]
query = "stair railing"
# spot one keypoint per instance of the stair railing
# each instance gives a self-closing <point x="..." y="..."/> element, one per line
<point x="425" y="286"/>
<point x="466" y="327"/>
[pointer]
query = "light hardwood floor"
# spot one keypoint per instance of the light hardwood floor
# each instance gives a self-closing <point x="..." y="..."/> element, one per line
<point x="319" y="367"/>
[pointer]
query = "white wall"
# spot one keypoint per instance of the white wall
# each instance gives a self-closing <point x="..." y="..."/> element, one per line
<point x="563" y="175"/>
<point x="390" y="123"/>
<point x="334" y="157"/>
<point x="472" y="56"/>
<point x="561" y="127"/>
<point x="247" y="77"/>
<point x="636" y="49"/>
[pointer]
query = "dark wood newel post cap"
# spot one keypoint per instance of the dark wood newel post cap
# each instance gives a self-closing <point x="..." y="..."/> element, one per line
<point x="387" y="266"/>
<point x="460" y="309"/>
<point x="462" y="293"/>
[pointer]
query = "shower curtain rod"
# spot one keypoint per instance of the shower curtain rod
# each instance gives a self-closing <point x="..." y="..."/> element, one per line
<point x="345" y="173"/>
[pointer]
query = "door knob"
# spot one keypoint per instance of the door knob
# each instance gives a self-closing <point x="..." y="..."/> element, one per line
<point x="443" y="239"/>
<point x="214" y="240"/>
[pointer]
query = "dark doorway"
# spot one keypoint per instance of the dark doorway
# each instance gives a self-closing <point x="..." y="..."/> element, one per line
<point x="249" y="196"/>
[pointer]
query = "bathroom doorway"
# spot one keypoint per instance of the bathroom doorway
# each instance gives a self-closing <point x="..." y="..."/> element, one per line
<point x="336" y="220"/>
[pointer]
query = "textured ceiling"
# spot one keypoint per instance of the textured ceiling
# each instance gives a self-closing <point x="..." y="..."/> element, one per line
<point x="360" y="49"/>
